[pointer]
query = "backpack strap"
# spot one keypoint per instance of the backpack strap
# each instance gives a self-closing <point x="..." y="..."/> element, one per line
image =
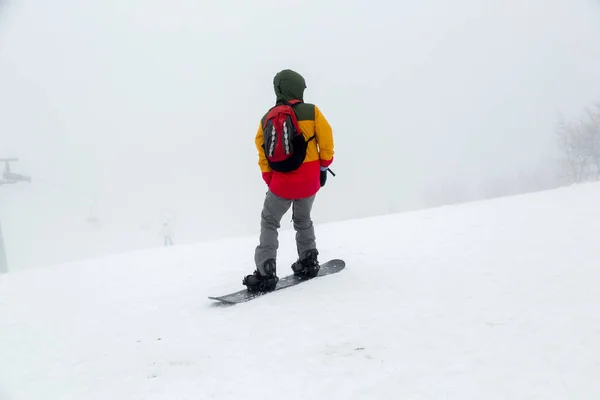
<point x="290" y="103"/>
<point x="293" y="103"/>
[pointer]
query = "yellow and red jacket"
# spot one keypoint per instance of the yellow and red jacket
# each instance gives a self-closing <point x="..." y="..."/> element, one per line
<point x="304" y="181"/>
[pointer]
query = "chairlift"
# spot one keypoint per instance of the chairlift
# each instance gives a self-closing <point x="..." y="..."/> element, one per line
<point x="9" y="177"/>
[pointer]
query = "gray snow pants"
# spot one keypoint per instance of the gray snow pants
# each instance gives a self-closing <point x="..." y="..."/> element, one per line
<point x="273" y="210"/>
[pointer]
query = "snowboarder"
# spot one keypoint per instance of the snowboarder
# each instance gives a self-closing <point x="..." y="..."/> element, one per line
<point x="295" y="149"/>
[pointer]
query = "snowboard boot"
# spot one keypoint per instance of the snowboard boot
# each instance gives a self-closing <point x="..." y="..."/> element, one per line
<point x="264" y="279"/>
<point x="307" y="265"/>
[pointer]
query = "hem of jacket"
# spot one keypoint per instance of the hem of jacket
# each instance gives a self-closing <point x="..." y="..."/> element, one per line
<point x="289" y="188"/>
<point x="298" y="196"/>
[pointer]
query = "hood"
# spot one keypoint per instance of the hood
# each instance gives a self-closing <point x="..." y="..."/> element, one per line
<point x="289" y="85"/>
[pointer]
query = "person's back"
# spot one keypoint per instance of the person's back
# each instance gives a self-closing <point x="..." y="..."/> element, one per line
<point x="297" y="187"/>
<point x="303" y="182"/>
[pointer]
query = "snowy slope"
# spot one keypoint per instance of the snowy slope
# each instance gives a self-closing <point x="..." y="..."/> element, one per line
<point x="489" y="300"/>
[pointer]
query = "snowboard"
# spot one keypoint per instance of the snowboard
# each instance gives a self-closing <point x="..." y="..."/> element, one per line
<point x="327" y="268"/>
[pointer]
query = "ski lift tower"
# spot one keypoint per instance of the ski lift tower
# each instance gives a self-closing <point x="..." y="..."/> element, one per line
<point x="8" y="177"/>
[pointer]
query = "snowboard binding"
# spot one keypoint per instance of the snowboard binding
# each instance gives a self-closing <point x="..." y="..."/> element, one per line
<point x="307" y="266"/>
<point x="263" y="279"/>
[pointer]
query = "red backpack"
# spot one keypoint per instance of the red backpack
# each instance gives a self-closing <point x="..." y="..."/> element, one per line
<point x="284" y="145"/>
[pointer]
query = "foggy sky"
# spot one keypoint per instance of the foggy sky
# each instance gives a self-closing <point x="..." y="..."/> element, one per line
<point x="147" y="109"/>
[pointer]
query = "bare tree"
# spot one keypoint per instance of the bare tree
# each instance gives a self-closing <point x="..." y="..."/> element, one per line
<point x="565" y="138"/>
<point x="579" y="142"/>
<point x="592" y="131"/>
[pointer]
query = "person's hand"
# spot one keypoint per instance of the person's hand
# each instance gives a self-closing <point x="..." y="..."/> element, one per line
<point x="323" y="176"/>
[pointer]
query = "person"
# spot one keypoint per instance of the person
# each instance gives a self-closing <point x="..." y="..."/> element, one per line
<point x="296" y="188"/>
<point x="167" y="233"/>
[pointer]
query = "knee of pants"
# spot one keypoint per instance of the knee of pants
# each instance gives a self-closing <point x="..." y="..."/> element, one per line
<point x="269" y="220"/>
<point x="302" y="223"/>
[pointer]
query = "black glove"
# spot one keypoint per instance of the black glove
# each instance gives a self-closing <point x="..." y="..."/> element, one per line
<point x="323" y="177"/>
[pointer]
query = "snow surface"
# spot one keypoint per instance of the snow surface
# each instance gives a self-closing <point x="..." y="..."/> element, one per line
<point x="489" y="300"/>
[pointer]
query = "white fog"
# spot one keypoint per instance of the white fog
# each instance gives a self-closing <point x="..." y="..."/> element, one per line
<point x="144" y="112"/>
